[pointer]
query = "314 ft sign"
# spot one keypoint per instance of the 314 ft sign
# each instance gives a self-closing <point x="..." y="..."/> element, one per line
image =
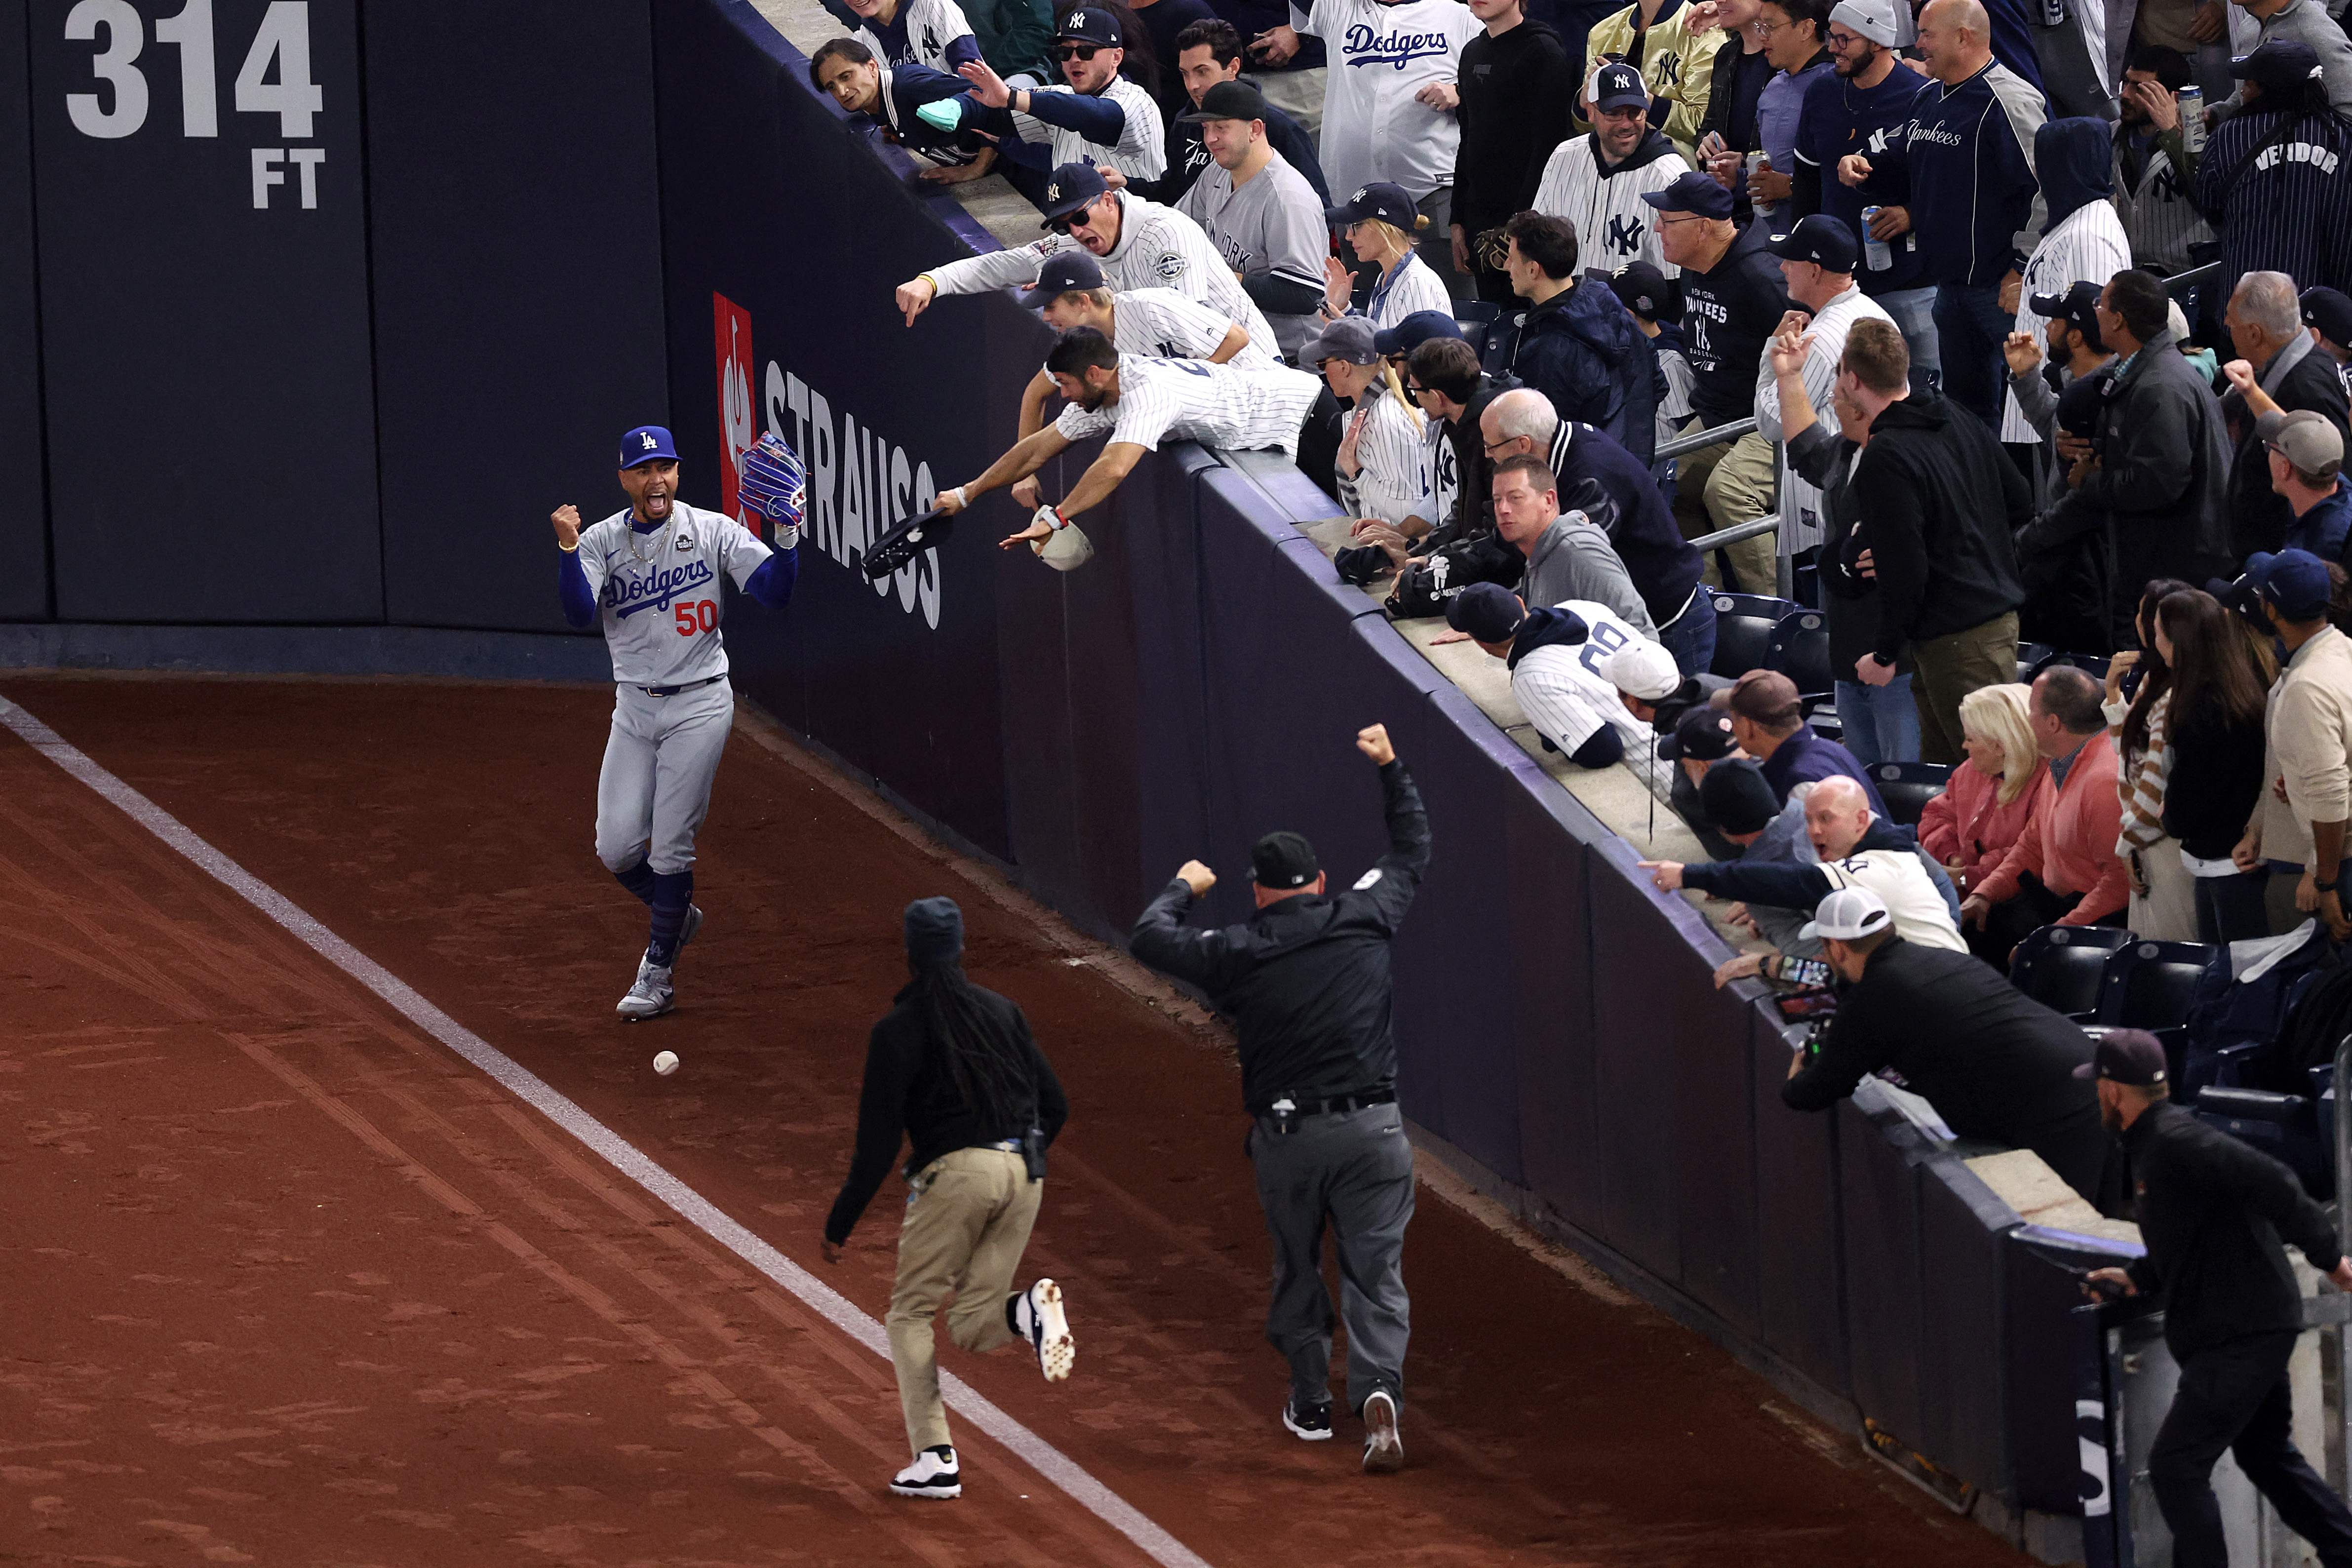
<point x="274" y="79"/>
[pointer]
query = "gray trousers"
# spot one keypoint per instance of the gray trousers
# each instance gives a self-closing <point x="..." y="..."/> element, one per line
<point x="660" y="761"/>
<point x="1356" y="1173"/>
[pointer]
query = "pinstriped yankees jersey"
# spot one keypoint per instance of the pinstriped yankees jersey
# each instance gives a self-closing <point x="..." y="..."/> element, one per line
<point x="1159" y="247"/>
<point x="1410" y="287"/>
<point x="1800" y="503"/>
<point x="657" y="594"/>
<point x="2159" y="219"/>
<point x="2087" y="247"/>
<point x="1142" y="150"/>
<point x="1565" y="691"/>
<point x="1237" y="408"/>
<point x="927" y="27"/>
<point x="1392" y="481"/>
<point x="1614" y="224"/>
<point x="1161" y="323"/>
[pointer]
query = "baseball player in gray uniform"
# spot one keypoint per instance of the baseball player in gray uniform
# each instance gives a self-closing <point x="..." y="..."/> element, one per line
<point x="651" y="573"/>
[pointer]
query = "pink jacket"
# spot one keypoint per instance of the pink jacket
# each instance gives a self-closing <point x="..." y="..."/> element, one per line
<point x="2070" y="843"/>
<point x="1969" y="826"/>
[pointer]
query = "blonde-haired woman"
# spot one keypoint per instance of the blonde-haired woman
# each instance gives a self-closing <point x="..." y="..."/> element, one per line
<point x="1989" y="797"/>
<point x="1380" y="221"/>
<point x="1382" y="465"/>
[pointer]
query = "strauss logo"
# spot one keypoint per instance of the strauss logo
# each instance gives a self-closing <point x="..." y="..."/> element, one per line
<point x="735" y="404"/>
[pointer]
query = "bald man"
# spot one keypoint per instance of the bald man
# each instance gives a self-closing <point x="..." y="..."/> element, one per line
<point x="1962" y="170"/>
<point x="1857" y="848"/>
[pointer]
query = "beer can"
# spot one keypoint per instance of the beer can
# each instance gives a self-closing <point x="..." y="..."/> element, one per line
<point x="1877" y="256"/>
<point x="2193" y="119"/>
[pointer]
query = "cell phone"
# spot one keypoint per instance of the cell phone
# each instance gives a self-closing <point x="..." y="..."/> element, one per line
<point x="2104" y="1290"/>
<point x="1800" y="1006"/>
<point x="1810" y="972"/>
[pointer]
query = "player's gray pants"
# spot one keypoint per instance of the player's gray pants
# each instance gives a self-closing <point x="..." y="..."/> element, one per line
<point x="659" y="764"/>
<point x="1357" y="1170"/>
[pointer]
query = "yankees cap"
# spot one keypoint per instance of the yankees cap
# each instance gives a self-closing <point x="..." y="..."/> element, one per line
<point x="1693" y="193"/>
<point x="1645" y="671"/>
<point x="1283" y="861"/>
<point x="1063" y="272"/>
<point x="1091" y="25"/>
<point x="2080" y="405"/>
<point x="1229" y="100"/>
<point x="1883" y="21"/>
<point x="2078" y="307"/>
<point x="1487" y="612"/>
<point x="1821" y="239"/>
<point x="1644" y="290"/>
<point x="1619" y="85"/>
<point x="1068" y="188"/>
<point x="1378" y="200"/>
<point x="2304" y="439"/>
<point x="1703" y="735"/>
<point x="2126" y="1056"/>
<point x="1414" y="330"/>
<point x="646" y="443"/>
<point x="2296" y="580"/>
<point x="1846" y="915"/>
<point x="2329" y="310"/>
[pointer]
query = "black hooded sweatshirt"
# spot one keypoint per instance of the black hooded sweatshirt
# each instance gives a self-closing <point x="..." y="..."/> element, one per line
<point x="1939" y="502"/>
<point x="1517" y="92"/>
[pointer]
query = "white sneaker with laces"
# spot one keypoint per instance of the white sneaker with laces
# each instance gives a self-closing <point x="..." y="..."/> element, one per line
<point x="651" y="997"/>
<point x="1039" y="1317"/>
<point x="932" y="1475"/>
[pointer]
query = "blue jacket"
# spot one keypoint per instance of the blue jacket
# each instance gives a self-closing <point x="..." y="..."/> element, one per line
<point x="1582" y="349"/>
<point x="1967" y="155"/>
<point x="1613" y="488"/>
<point x="1808" y="757"/>
<point x="1841" y="118"/>
<point x="2322" y="529"/>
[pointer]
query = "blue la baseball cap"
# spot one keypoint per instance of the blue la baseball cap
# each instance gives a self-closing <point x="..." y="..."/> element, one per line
<point x="1691" y="193"/>
<point x="2293" y="581"/>
<point x="1063" y="271"/>
<point x="646" y="443"/>
<point x="1414" y="330"/>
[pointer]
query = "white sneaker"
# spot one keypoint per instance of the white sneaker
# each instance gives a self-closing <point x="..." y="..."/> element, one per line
<point x="651" y="997"/>
<point x="1383" y="1449"/>
<point x="1038" y="1317"/>
<point x="932" y="1475"/>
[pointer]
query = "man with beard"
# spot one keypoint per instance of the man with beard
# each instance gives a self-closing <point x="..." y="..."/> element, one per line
<point x="1861" y="107"/>
<point x="1208" y="52"/>
<point x="2152" y="194"/>
<point x="1260" y="213"/>
<point x="1596" y="182"/>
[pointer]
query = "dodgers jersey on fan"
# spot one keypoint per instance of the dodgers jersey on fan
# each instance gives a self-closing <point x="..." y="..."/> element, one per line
<point x="1373" y="127"/>
<point x="1161" y="323"/>
<point x="1159" y="247"/>
<point x="1239" y="408"/>
<point x="657" y="594"/>
<point x="1565" y="691"/>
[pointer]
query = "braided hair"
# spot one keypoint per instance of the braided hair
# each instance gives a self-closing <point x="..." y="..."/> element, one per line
<point x="981" y="1052"/>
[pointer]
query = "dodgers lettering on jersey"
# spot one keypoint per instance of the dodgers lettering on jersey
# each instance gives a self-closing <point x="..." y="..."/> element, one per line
<point x="1364" y="45"/>
<point x="657" y="594"/>
<point x="1374" y="128"/>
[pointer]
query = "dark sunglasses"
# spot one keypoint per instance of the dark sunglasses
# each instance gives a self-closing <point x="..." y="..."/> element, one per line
<point x="1075" y="51"/>
<point x="1416" y="389"/>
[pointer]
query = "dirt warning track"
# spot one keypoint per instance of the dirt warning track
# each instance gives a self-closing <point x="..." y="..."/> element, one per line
<point x="292" y="1280"/>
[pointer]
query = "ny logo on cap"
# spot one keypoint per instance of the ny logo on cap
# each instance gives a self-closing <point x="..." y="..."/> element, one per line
<point x="1359" y="193"/>
<point x="1077" y="19"/>
<point x="1054" y="191"/>
<point x="649" y="441"/>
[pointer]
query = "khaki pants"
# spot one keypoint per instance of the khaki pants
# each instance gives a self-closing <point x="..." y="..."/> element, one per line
<point x="1721" y="486"/>
<point x="1947" y="668"/>
<point x="967" y="1222"/>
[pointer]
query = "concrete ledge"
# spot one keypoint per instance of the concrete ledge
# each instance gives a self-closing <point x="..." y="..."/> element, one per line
<point x="307" y="650"/>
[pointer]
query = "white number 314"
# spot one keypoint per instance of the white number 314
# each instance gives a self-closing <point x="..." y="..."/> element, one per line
<point x="282" y="43"/>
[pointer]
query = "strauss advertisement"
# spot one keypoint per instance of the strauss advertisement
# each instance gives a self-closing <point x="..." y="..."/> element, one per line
<point x="860" y="483"/>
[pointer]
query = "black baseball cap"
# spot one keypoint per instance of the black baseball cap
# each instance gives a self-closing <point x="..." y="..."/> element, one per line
<point x="2126" y="1056"/>
<point x="1091" y="25"/>
<point x="1642" y="288"/>
<point x="1231" y="100"/>
<point x="2329" y="310"/>
<point x="1064" y="271"/>
<point x="1487" y="611"/>
<point x="2078" y="307"/>
<point x="1387" y="203"/>
<point x="1070" y="187"/>
<point x="1619" y="85"/>
<point x="1691" y="193"/>
<point x="2079" y="405"/>
<point x="2280" y="67"/>
<point x="1284" y="860"/>
<point x="1821" y="239"/>
<point x="1737" y="798"/>
<point x="1703" y="734"/>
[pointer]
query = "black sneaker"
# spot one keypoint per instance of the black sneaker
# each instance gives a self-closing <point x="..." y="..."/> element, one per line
<point x="932" y="1475"/>
<point x="1308" y="1423"/>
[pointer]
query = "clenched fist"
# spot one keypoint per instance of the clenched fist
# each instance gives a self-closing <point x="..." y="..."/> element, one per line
<point x="567" y="526"/>
<point x="1373" y="742"/>
<point x="1197" y="876"/>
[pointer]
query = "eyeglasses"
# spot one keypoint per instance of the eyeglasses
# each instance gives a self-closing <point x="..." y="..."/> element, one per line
<point x="1504" y="442"/>
<point x="1075" y="51"/>
<point x="1670" y="221"/>
<point x="1841" y="41"/>
<point x="1765" y="29"/>
<point x="1417" y="391"/>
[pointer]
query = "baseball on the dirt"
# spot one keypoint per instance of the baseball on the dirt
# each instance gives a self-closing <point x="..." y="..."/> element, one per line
<point x="666" y="1063"/>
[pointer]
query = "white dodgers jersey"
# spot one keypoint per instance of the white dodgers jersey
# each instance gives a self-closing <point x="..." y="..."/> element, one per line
<point x="657" y="595"/>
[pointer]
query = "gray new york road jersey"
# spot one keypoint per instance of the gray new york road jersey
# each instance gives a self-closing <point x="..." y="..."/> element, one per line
<point x="1272" y="224"/>
<point x="657" y="594"/>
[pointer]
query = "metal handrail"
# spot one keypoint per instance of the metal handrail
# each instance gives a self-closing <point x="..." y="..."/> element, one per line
<point x="2180" y="283"/>
<point x="1700" y="439"/>
<point x="1706" y="542"/>
<point x="2341" y="1461"/>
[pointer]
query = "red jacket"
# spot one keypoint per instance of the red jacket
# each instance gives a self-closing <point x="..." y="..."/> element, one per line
<point x="2069" y="840"/>
<point x="1966" y="825"/>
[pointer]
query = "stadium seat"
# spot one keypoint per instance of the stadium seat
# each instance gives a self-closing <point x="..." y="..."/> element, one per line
<point x="1744" y="623"/>
<point x="1907" y="787"/>
<point x="1799" y="650"/>
<point x="2031" y="657"/>
<point x="2284" y="1126"/>
<point x="2062" y="967"/>
<point x="2149" y="985"/>
<point x="1483" y="312"/>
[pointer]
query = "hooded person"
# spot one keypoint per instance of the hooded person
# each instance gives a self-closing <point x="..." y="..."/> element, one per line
<point x="2082" y="240"/>
<point x="1555" y="680"/>
<point x="1575" y="343"/>
<point x="952" y="1069"/>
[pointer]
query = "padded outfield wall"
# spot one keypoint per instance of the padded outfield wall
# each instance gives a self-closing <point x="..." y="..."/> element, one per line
<point x="527" y="226"/>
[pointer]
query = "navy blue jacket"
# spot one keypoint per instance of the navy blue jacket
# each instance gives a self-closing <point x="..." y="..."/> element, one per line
<point x="1608" y="485"/>
<point x="1582" y="349"/>
<point x="1841" y="118"/>
<point x="1966" y="152"/>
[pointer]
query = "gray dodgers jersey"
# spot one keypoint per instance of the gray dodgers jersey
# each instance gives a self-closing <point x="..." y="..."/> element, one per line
<point x="661" y="615"/>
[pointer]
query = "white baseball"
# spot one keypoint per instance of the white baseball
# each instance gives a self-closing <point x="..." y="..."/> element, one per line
<point x="666" y="1063"/>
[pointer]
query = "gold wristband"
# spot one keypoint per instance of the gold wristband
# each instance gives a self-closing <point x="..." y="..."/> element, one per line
<point x="571" y="549"/>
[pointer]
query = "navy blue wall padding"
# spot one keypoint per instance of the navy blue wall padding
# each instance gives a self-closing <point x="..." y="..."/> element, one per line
<point x="518" y="325"/>
<point x="25" y="524"/>
<point x="1963" y="1273"/>
<point x="1801" y="1264"/>
<point x="206" y="365"/>
<point x="1878" y="1182"/>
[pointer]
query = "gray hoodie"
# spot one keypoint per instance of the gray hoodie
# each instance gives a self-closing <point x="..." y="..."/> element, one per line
<point x="1574" y="560"/>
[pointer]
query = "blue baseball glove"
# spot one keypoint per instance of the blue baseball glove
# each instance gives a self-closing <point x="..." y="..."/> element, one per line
<point x="775" y="486"/>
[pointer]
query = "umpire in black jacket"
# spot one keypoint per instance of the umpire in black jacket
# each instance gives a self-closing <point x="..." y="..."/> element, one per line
<point x="2212" y="1212"/>
<point x="1306" y="985"/>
